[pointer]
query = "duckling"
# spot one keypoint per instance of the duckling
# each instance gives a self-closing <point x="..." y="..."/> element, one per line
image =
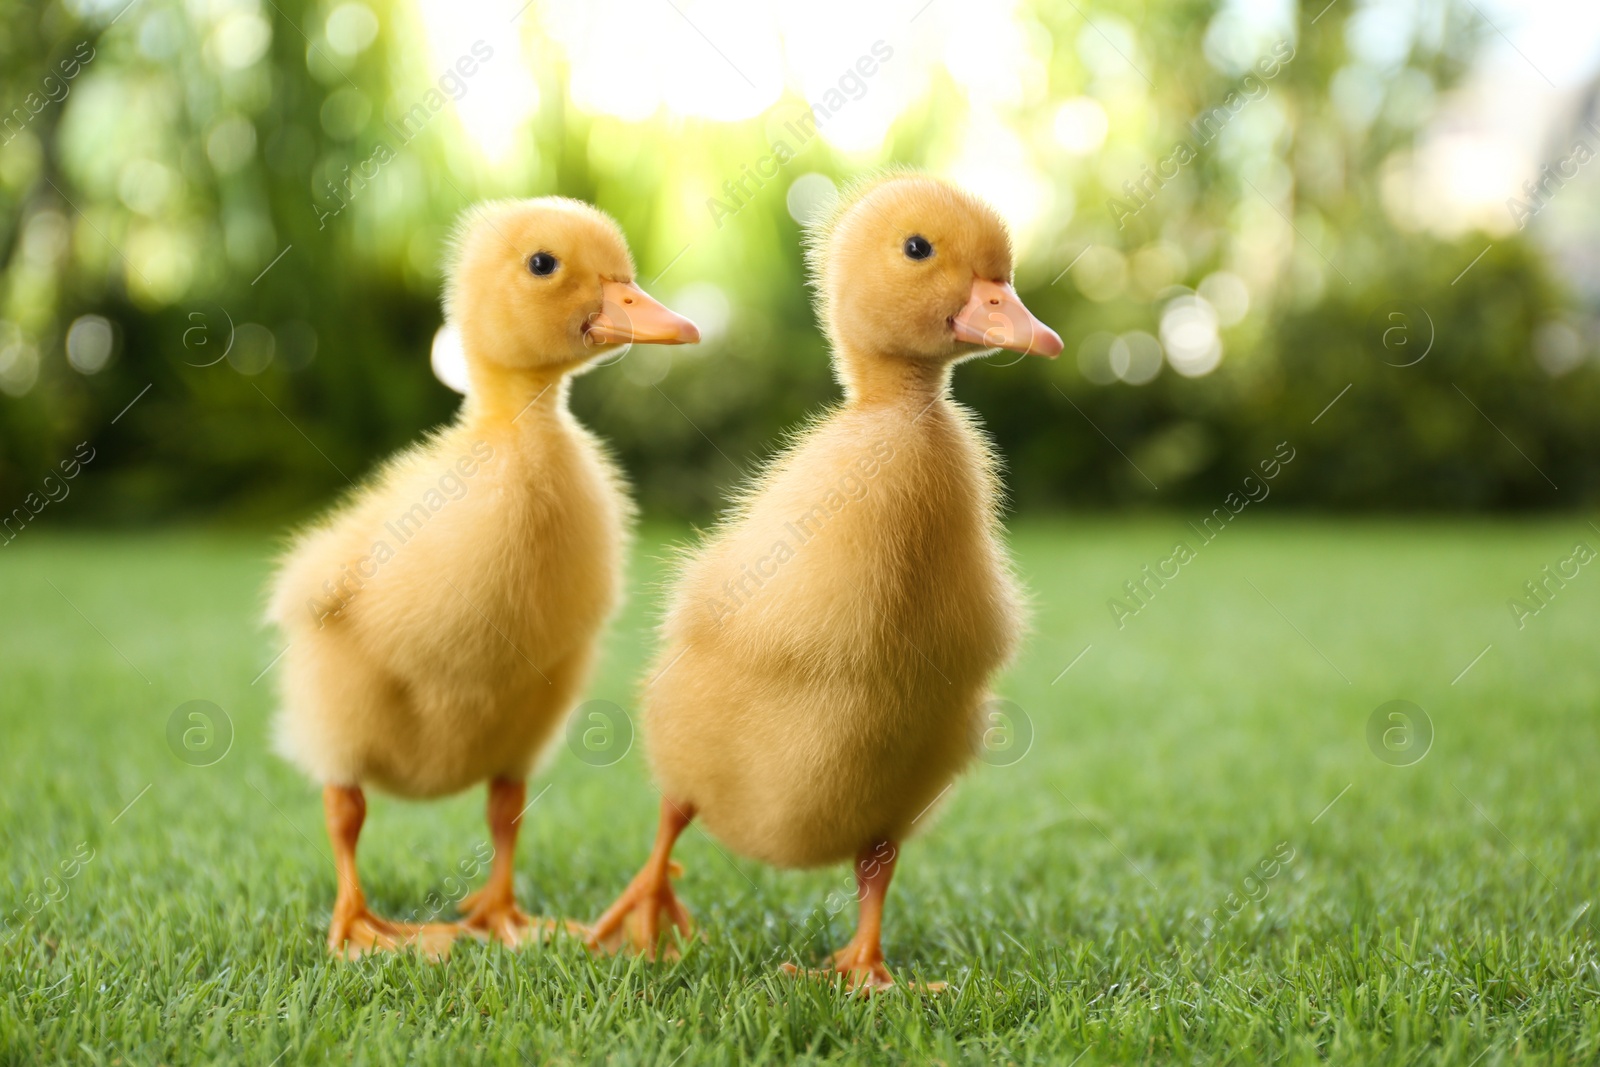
<point x="444" y="618"/>
<point x="827" y="650"/>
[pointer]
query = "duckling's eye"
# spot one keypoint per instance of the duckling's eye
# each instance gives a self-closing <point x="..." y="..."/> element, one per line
<point x="918" y="247"/>
<point x="542" y="264"/>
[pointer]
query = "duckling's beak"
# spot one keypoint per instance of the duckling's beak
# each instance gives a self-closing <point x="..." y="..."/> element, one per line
<point x="996" y="318"/>
<point x="628" y="314"/>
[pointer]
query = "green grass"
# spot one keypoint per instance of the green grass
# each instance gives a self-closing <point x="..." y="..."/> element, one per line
<point x="1433" y="914"/>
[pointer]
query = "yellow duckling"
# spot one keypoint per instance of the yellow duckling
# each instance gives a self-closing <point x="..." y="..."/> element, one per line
<point x="443" y="620"/>
<point x="828" y="649"/>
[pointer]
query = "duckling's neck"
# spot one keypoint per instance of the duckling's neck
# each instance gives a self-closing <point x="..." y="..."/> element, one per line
<point x="502" y="396"/>
<point x="877" y="380"/>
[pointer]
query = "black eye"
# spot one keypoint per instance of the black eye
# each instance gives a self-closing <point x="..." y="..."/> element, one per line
<point x="542" y="264"/>
<point x="918" y="247"/>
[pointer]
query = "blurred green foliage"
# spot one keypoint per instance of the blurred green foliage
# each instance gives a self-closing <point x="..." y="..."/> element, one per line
<point x="200" y="142"/>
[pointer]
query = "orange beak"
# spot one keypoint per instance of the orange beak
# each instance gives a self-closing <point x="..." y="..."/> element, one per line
<point x="627" y="314"/>
<point x="995" y="318"/>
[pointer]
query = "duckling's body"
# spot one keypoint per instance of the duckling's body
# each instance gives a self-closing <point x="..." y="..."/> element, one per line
<point x="474" y="634"/>
<point x="443" y="621"/>
<point x="829" y="702"/>
<point x="829" y="649"/>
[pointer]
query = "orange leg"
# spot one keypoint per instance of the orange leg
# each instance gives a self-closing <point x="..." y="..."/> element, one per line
<point x="492" y="911"/>
<point x="861" y="961"/>
<point x="354" y="929"/>
<point x="636" y="916"/>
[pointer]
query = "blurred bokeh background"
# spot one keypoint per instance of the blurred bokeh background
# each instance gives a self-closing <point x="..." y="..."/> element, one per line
<point x="222" y="224"/>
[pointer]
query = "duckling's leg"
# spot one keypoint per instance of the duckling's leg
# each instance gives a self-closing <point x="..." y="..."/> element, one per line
<point x="861" y="961"/>
<point x="492" y="911"/>
<point x="354" y="929"/>
<point x="637" y="913"/>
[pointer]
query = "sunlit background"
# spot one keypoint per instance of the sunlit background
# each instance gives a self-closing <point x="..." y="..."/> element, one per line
<point x="223" y="223"/>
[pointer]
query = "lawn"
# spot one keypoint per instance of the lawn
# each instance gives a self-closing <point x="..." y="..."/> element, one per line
<point x="1200" y="858"/>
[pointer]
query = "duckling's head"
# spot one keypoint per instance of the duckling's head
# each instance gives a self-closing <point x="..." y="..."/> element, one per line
<point x="548" y="284"/>
<point x="910" y="268"/>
